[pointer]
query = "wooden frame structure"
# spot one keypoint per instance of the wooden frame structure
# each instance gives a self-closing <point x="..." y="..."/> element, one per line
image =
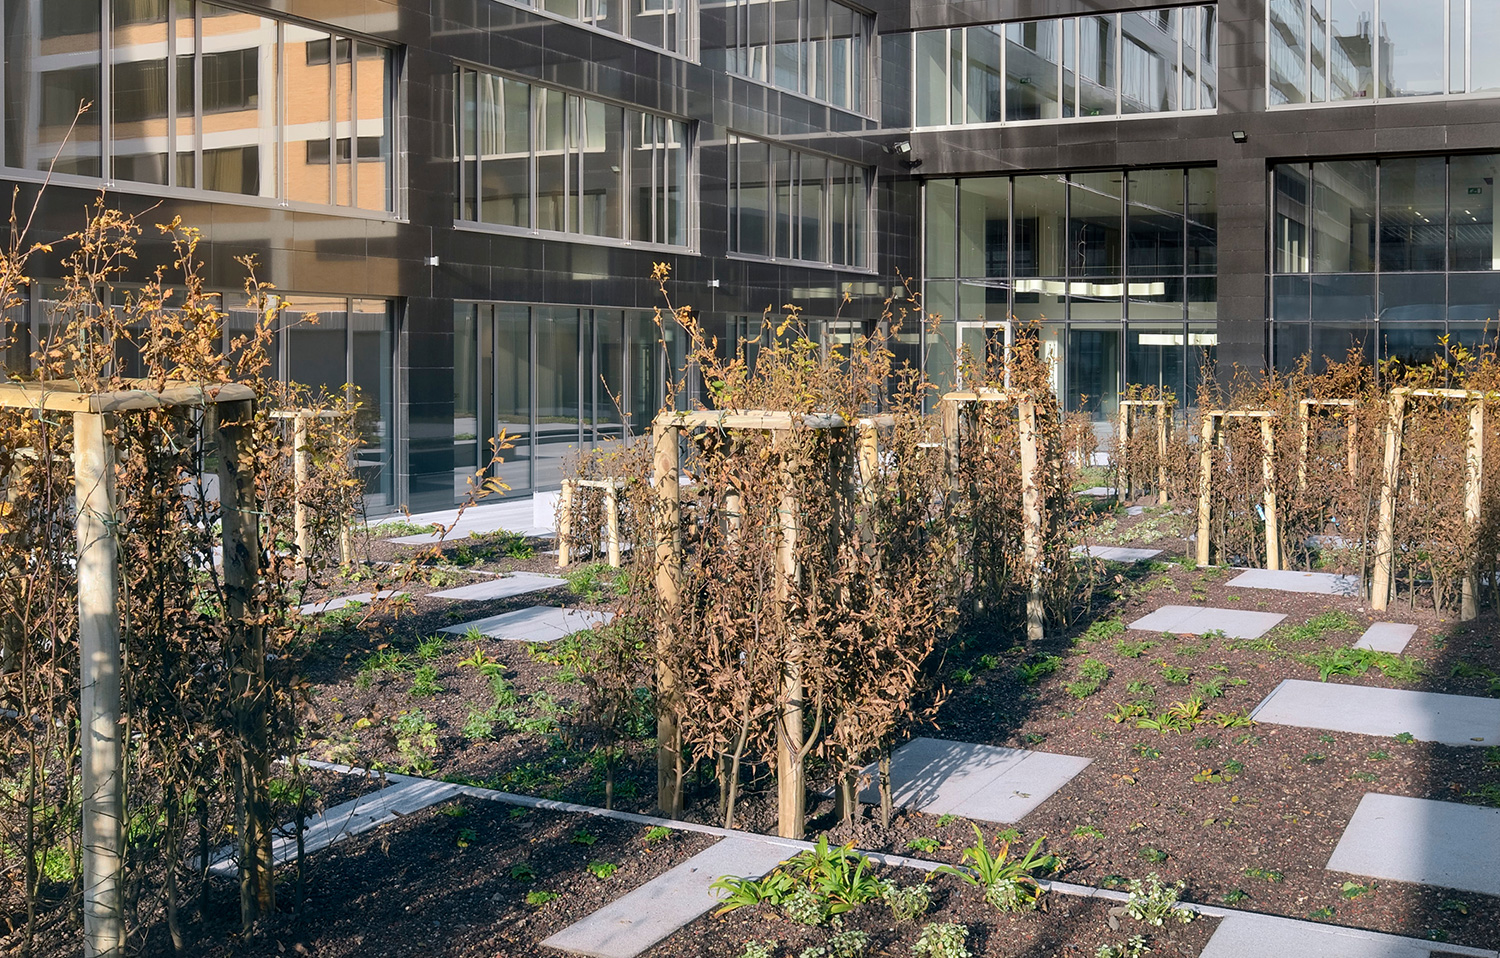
<point x="792" y="745"/>
<point x="1129" y="412"/>
<point x="1304" y="423"/>
<point x="1213" y="423"/>
<point x="231" y="408"/>
<point x="951" y="406"/>
<point x="1383" y="579"/>
<point x="565" y="538"/>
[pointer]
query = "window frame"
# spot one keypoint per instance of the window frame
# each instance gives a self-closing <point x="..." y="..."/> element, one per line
<point x="855" y="241"/>
<point x="861" y="66"/>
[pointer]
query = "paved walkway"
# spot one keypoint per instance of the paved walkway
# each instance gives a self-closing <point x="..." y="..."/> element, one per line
<point x="976" y="781"/>
<point x="504" y="587"/>
<point x="1428" y="716"/>
<point x="329" y="605"/>
<point x="542" y="623"/>
<point x="1196" y="620"/>
<point x="639" y="919"/>
<point x="1386" y="637"/>
<point x="1315" y="583"/>
<point x="512" y="515"/>
<point x="1444" y="844"/>
<point x="1116" y="553"/>
<point x="1248" y="935"/>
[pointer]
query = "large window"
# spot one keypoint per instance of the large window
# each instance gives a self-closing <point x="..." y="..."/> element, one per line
<point x="666" y="24"/>
<point x="819" y="48"/>
<point x="539" y="159"/>
<point x="1330" y="51"/>
<point x="199" y="96"/>
<point x="1119" y="268"/>
<point x="1111" y="65"/>
<point x="1386" y="256"/>
<point x="552" y="379"/>
<point x="787" y="204"/>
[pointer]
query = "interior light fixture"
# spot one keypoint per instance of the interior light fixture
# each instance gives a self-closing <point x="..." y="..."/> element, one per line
<point x="1239" y="136"/>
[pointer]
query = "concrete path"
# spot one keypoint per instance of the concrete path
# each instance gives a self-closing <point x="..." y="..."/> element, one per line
<point x="363" y="598"/>
<point x="403" y="797"/>
<point x="634" y="922"/>
<point x="1428" y="716"/>
<point x="1098" y="492"/>
<point x="511" y="515"/>
<point x="505" y="587"/>
<point x="540" y="623"/>
<point x="1116" y="553"/>
<point x="1315" y="583"/>
<point x="1194" y="620"/>
<point x="1248" y="935"/>
<point x="1443" y="844"/>
<point x="976" y="781"/>
<point x="1386" y="637"/>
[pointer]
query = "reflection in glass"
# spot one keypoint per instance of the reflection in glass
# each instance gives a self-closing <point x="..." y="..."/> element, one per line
<point x="1484" y="69"/>
<point x="1156" y="356"/>
<point x="511" y="347"/>
<point x="1411" y="59"/>
<point x="1344" y="216"/>
<point x="1471" y="212"/>
<point x="1413" y="221"/>
<point x="1474" y="297"/>
<point x="371" y="357"/>
<point x="1148" y="61"/>
<point x="1097" y="43"/>
<point x="1343" y="298"/>
<point x="984" y="226"/>
<point x="1413" y="297"/>
<point x="558" y="420"/>
<point x="1350" y="51"/>
<point x="1032" y="52"/>
<point x="1286" y="37"/>
<point x="941" y="225"/>
<point x="1040" y="227"/>
<point x="1094" y="224"/>
<point x="608" y="379"/>
<point x="49" y="74"/>
<point x="1093" y="360"/>
<point x="984" y="86"/>
<point x="1291" y="195"/>
<point x="316" y="332"/>
<point x="1157" y="222"/>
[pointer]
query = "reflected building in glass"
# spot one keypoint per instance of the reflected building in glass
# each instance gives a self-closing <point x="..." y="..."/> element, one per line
<point x="470" y="197"/>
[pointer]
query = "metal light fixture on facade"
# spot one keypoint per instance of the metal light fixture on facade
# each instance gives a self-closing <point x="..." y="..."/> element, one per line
<point x="1239" y="136"/>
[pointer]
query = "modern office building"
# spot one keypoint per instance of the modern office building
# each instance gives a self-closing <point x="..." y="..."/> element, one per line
<point x="471" y="194"/>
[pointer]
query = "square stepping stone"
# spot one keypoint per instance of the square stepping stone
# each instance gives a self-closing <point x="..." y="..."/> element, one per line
<point x="1419" y="840"/>
<point x="1315" y="583"/>
<point x="1428" y="716"/>
<point x="542" y="623"/>
<point x="1116" y="553"/>
<point x="363" y="598"/>
<point x="1248" y="935"/>
<point x="1195" y="620"/>
<point x="1099" y="492"/>
<point x="505" y="587"/>
<point x="1386" y="637"/>
<point x="983" y="782"/>
<point x="639" y="919"/>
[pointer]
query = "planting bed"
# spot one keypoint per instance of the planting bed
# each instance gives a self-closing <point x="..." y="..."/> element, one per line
<point x="1245" y="815"/>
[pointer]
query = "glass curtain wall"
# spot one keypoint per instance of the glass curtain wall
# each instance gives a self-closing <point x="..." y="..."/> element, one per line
<point x="195" y="100"/>
<point x="665" y="24"/>
<point x="534" y="158"/>
<point x="818" y="48"/>
<point x="787" y="204"/>
<point x="1109" y="65"/>
<point x="1331" y="51"/>
<point x="1118" y="270"/>
<point x="553" y="380"/>
<point x="1384" y="256"/>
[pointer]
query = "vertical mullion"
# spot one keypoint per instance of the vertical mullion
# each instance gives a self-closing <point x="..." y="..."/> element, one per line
<point x="353" y="123"/>
<point x="1375" y="59"/>
<point x="1119" y="41"/>
<point x="333" y="118"/>
<point x="534" y="119"/>
<point x="106" y="92"/>
<point x="1468" y="46"/>
<point x="461" y="161"/>
<point x="171" y="94"/>
<point x="1307" y="45"/>
<point x="278" y="81"/>
<point x="197" y="14"/>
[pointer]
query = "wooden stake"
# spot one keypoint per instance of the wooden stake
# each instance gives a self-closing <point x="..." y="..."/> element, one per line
<point x="1305" y="425"/>
<point x="565" y="524"/>
<point x="299" y="482"/>
<point x="1384" y="575"/>
<point x="612" y="522"/>
<point x="1205" y="484"/>
<point x="1268" y="476"/>
<point x="1474" y="487"/>
<point x="1163" y="428"/>
<point x="233" y="434"/>
<point x="791" y="787"/>
<point x="99" y="704"/>
<point x="665" y="438"/>
<point x="1031" y="511"/>
<point x="1122" y="468"/>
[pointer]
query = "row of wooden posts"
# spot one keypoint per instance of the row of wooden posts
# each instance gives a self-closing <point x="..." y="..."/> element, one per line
<point x="1398" y="400"/>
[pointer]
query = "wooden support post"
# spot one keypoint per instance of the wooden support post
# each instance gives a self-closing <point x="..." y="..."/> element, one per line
<point x="1205" y="484"/>
<point x="99" y="705"/>
<point x="1304" y="423"/>
<point x="1473" y="489"/>
<point x="1268" y="477"/>
<point x="665" y="439"/>
<point x="299" y="482"/>
<point x="1163" y="428"/>
<point x="1390" y="477"/>
<point x="1124" y="487"/>
<point x="612" y="522"/>
<point x="868" y="460"/>
<point x="565" y="524"/>
<point x="950" y="415"/>
<point x="1353" y="444"/>
<point x="791" y="785"/>
<point x="1031" y="517"/>
<point x="233" y="435"/>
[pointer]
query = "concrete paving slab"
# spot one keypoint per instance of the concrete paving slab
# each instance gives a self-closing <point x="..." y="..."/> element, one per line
<point x="1099" y="491"/>
<point x="984" y="782"/>
<point x="1428" y="716"/>
<point x="1116" y="553"/>
<point x="1386" y="637"/>
<point x="1136" y="511"/>
<point x="351" y="818"/>
<point x="1443" y="844"/>
<point x="1196" y="620"/>
<point x="363" y="598"/>
<point x="513" y="515"/>
<point x="542" y="623"/>
<point x="505" y="587"/>
<point x="634" y="922"/>
<point x="1314" y="583"/>
<point x="1247" y="935"/>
